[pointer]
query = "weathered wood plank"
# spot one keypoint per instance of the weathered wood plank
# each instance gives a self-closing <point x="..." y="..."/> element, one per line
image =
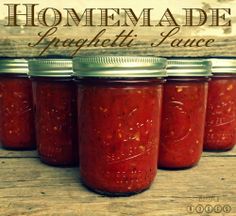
<point x="33" y="154"/>
<point x="19" y="48"/>
<point x="29" y="187"/>
<point x="231" y="153"/>
<point x="17" y="154"/>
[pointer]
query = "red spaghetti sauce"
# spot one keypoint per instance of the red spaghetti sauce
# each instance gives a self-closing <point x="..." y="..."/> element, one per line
<point x="220" y="132"/>
<point x="119" y="132"/>
<point x="56" y="122"/>
<point x="183" y="120"/>
<point x="16" y="113"/>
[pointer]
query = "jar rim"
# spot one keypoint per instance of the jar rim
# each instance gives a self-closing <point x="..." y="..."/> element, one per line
<point x="183" y="67"/>
<point x="107" y="66"/>
<point x="223" y="65"/>
<point x="13" y="66"/>
<point x="51" y="67"/>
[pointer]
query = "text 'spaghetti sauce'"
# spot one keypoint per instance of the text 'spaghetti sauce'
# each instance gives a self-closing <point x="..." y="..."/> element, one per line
<point x="220" y="133"/>
<point x="54" y="95"/>
<point x="184" y="110"/>
<point x="119" y="109"/>
<point x="16" y="105"/>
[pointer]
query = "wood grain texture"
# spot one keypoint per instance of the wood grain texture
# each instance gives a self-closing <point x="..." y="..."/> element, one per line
<point x="17" y="154"/>
<point x="18" y="48"/>
<point x="28" y="187"/>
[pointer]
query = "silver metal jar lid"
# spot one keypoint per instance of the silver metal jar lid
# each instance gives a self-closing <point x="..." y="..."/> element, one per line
<point x="13" y="66"/>
<point x="188" y="68"/>
<point x="223" y="65"/>
<point x="119" y="66"/>
<point x="50" y="68"/>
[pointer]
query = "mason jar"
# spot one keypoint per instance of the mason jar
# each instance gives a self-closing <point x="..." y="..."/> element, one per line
<point x="54" y="94"/>
<point x="16" y="105"/>
<point x="119" y="111"/>
<point x="184" y="111"/>
<point x="220" y="132"/>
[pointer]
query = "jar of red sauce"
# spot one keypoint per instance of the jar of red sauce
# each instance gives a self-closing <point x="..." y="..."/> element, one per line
<point x="119" y="109"/>
<point x="220" y="132"/>
<point x="184" y="110"/>
<point x="54" y="94"/>
<point x="16" y="105"/>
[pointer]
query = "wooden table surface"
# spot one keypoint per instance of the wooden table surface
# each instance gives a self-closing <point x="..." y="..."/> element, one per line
<point x="28" y="187"/>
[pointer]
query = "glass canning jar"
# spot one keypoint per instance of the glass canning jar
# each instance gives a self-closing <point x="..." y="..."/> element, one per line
<point x="119" y="110"/>
<point x="54" y="94"/>
<point x="220" y="131"/>
<point x="16" y="105"/>
<point x="184" y="111"/>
